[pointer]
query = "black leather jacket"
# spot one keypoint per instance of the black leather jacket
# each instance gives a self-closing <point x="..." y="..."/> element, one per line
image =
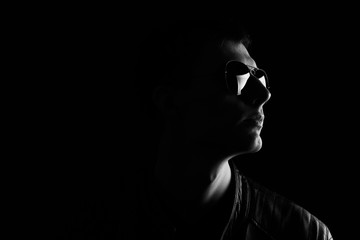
<point x="268" y="215"/>
<point x="257" y="214"/>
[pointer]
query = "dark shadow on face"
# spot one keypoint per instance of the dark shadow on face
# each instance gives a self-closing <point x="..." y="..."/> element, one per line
<point x="213" y="116"/>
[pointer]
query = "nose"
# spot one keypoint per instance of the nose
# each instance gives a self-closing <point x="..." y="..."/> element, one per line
<point x="254" y="93"/>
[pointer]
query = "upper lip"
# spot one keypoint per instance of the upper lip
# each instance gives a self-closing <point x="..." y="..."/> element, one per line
<point x="256" y="117"/>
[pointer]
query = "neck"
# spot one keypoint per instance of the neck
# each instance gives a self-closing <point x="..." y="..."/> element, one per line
<point x="194" y="182"/>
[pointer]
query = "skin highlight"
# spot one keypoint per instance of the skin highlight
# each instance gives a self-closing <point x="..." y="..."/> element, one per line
<point x="204" y="129"/>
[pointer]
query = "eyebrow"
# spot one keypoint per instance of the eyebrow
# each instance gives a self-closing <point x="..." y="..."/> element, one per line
<point x="248" y="61"/>
<point x="251" y="62"/>
<point x="252" y="67"/>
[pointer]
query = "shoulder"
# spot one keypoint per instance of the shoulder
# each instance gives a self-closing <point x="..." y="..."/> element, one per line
<point x="280" y="217"/>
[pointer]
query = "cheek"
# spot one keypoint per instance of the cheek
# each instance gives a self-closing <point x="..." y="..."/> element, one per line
<point x="213" y="115"/>
<point x="229" y="110"/>
<point x="197" y="118"/>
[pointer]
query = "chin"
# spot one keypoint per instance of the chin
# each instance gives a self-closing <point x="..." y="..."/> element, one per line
<point x="249" y="145"/>
<point x="239" y="142"/>
<point x="256" y="145"/>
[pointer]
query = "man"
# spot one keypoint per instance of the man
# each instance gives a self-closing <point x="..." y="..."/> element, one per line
<point x="209" y="95"/>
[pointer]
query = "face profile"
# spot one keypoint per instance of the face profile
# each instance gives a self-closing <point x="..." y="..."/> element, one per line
<point x="215" y="113"/>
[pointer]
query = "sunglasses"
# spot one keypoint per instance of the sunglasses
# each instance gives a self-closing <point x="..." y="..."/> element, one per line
<point x="237" y="74"/>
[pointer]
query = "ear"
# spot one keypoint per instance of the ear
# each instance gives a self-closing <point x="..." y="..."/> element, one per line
<point x="163" y="99"/>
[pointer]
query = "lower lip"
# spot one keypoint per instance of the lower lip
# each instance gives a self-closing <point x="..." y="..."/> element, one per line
<point x="252" y="123"/>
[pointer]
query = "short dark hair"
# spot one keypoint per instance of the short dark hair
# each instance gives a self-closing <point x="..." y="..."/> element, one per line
<point x="177" y="45"/>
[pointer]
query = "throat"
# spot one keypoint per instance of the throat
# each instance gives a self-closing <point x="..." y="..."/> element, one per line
<point x="210" y="200"/>
<point x="214" y="208"/>
<point x="219" y="184"/>
<point x="192" y="191"/>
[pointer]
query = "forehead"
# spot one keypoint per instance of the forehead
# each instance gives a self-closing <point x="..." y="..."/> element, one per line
<point x="215" y="56"/>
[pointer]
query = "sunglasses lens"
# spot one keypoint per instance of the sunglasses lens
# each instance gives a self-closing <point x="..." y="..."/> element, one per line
<point x="236" y="68"/>
<point x="237" y="75"/>
<point x="260" y="74"/>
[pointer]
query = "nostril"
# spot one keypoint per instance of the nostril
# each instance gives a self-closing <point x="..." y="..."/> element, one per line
<point x="254" y="93"/>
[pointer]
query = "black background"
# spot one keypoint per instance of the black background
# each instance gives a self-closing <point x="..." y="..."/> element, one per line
<point x="89" y="112"/>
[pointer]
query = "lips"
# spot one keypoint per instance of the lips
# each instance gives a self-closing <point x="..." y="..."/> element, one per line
<point x="255" y="120"/>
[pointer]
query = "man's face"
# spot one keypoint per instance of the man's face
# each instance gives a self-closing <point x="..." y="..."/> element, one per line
<point x="212" y="116"/>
